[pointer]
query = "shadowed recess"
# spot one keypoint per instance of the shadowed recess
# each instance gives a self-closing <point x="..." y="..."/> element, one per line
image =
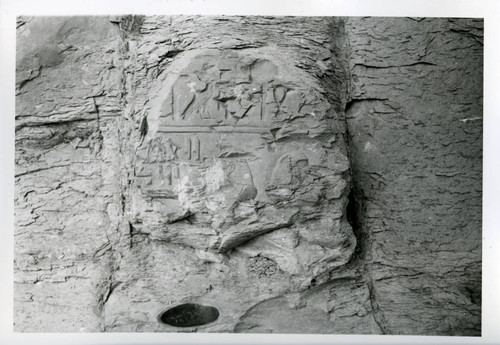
<point x="189" y="315"/>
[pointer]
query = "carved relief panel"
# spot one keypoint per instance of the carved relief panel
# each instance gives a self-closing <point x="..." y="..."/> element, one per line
<point x="239" y="151"/>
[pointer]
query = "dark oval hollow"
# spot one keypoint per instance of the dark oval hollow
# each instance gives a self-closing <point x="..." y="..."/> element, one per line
<point x="189" y="315"/>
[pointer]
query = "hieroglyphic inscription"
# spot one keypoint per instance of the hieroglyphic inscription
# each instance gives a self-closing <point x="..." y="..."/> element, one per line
<point x="192" y="147"/>
<point x="217" y="107"/>
<point x="161" y="172"/>
<point x="237" y="152"/>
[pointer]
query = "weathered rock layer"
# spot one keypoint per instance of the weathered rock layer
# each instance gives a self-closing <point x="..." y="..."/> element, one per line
<point x="208" y="163"/>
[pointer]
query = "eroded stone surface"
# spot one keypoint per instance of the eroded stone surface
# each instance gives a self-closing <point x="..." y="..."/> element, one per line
<point x="238" y="153"/>
<point x="243" y="169"/>
<point x="170" y="160"/>
<point x="67" y="105"/>
<point x="415" y="128"/>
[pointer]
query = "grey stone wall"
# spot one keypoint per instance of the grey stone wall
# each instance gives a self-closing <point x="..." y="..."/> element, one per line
<point x="301" y="175"/>
<point x="415" y="133"/>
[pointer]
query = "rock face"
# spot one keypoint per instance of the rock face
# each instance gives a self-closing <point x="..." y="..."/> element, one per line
<point x="68" y="104"/>
<point x="248" y="174"/>
<point x="415" y="133"/>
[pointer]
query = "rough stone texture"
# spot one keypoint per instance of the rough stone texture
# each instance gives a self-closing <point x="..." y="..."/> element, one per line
<point x="67" y="109"/>
<point x="240" y="172"/>
<point x="415" y="133"/>
<point x="210" y="160"/>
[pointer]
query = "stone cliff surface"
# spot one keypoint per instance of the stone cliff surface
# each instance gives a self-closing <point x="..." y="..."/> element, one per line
<point x="415" y="133"/>
<point x="298" y="174"/>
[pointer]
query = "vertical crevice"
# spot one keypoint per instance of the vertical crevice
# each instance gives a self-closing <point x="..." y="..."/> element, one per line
<point x="354" y="214"/>
<point x="129" y="31"/>
<point x="100" y="138"/>
<point x="105" y="286"/>
<point x="355" y="209"/>
<point x="378" y="315"/>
